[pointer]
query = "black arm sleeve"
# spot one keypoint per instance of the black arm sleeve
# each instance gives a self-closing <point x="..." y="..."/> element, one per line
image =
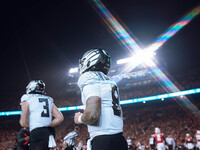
<point x="154" y="140"/>
<point x="164" y="140"/>
<point x="21" y="136"/>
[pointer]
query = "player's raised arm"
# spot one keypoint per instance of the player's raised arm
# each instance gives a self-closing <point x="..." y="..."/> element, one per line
<point x="24" y="119"/>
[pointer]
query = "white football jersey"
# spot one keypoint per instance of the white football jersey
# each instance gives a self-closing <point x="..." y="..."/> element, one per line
<point x="94" y="83"/>
<point x="151" y="141"/>
<point x="40" y="110"/>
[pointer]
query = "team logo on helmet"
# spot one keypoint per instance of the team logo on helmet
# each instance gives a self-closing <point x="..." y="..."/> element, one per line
<point x="35" y="86"/>
<point x="95" y="60"/>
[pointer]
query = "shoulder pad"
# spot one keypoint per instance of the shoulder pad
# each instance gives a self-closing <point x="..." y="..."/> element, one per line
<point x="89" y="77"/>
<point x="25" y="98"/>
<point x="51" y="99"/>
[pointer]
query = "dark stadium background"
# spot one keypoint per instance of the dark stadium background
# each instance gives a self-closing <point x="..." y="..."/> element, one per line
<point x="43" y="39"/>
<point x="48" y="37"/>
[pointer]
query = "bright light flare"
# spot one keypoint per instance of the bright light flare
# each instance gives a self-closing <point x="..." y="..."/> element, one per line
<point x="130" y="44"/>
<point x="125" y="60"/>
<point x="73" y="70"/>
<point x="141" y="57"/>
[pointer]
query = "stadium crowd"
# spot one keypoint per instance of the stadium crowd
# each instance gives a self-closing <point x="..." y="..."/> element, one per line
<point x="185" y="81"/>
<point x="140" y="119"/>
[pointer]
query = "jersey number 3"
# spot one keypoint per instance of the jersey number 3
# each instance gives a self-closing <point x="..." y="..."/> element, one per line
<point x="45" y="112"/>
<point x="115" y="102"/>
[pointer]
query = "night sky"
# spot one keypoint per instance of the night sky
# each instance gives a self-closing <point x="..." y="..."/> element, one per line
<point x="42" y="39"/>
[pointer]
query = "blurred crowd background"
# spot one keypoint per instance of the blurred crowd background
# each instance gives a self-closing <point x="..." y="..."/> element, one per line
<point x="140" y="119"/>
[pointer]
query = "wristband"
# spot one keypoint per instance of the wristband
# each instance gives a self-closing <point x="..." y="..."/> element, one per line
<point x="79" y="119"/>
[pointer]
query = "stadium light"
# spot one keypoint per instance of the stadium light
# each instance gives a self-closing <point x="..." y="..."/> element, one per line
<point x="122" y="102"/>
<point x="73" y="70"/>
<point x="139" y="58"/>
<point x="129" y="42"/>
<point x="125" y="60"/>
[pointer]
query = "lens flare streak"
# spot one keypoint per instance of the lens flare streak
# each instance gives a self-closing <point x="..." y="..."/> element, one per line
<point x="125" y="39"/>
<point x="173" y="29"/>
<point x="119" y="32"/>
<point x="168" y="86"/>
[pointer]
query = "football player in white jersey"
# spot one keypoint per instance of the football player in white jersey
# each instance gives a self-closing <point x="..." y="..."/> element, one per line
<point x="102" y="113"/>
<point x="40" y="115"/>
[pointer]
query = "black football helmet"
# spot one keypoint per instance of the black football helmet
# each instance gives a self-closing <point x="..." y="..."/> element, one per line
<point x="35" y="86"/>
<point x="95" y="60"/>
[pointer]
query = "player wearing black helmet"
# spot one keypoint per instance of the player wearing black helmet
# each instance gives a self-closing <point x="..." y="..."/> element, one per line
<point x="99" y="94"/>
<point x="38" y="111"/>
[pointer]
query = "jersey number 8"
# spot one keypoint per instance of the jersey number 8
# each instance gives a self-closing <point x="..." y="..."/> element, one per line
<point x="115" y="102"/>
